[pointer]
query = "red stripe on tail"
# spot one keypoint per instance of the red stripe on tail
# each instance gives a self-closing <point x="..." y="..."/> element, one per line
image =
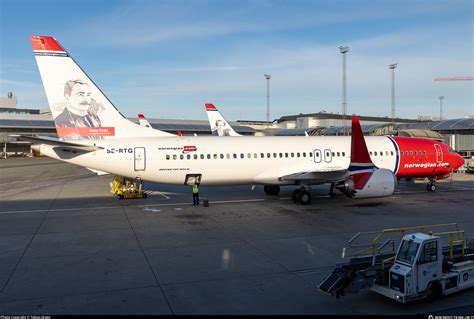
<point x="210" y="107"/>
<point x="42" y="43"/>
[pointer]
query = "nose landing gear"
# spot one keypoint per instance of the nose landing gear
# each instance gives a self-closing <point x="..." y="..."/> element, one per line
<point x="431" y="187"/>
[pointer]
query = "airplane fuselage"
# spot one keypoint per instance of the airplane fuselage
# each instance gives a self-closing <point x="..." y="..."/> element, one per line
<point x="255" y="160"/>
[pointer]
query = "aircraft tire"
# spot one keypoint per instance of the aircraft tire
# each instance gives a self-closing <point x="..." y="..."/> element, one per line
<point x="271" y="190"/>
<point x="304" y="198"/>
<point x="294" y="195"/>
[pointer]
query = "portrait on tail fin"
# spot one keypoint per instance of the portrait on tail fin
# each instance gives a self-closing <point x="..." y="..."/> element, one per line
<point x="80" y="110"/>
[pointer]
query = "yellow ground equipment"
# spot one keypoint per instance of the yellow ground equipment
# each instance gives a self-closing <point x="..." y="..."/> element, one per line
<point x="125" y="187"/>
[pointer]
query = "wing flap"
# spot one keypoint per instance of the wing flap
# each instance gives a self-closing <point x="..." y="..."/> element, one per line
<point x="319" y="177"/>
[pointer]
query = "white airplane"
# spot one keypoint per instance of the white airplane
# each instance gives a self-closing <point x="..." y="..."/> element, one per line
<point x="93" y="134"/>
<point x="219" y="126"/>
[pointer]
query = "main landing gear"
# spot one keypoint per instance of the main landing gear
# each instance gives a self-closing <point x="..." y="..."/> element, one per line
<point x="301" y="196"/>
<point x="431" y="187"/>
<point x="271" y="190"/>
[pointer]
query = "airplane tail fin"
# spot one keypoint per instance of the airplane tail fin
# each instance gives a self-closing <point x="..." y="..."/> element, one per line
<point x="143" y="121"/>
<point x="219" y="126"/>
<point x="361" y="166"/>
<point x="80" y="110"/>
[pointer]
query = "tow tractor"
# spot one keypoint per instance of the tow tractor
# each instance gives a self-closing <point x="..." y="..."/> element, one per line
<point x="127" y="188"/>
<point x="425" y="265"/>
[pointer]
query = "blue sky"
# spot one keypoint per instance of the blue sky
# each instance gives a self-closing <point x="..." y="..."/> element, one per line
<point x="167" y="58"/>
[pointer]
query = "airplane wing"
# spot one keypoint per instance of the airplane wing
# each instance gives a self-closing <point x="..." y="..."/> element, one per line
<point x="56" y="142"/>
<point x="319" y="177"/>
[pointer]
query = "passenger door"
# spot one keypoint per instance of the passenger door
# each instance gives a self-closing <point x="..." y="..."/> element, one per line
<point x="140" y="160"/>
<point x="439" y="153"/>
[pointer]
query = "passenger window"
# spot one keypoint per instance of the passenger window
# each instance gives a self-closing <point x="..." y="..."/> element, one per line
<point x="175" y="157"/>
<point x="215" y="156"/>
<point x="222" y="156"/>
<point x="411" y="153"/>
<point x="167" y="157"/>
<point x="181" y="156"/>
<point x="286" y="154"/>
<point x="255" y="155"/>
<point x="281" y="155"/>
<point x="262" y="155"/>
<point x="424" y="152"/>
<point x="202" y="156"/>
<point x="269" y="155"/>
<point x="343" y="154"/>
<point x="391" y="153"/>
<point x="249" y="155"/>
<point x="386" y="153"/>
<point x="375" y="153"/>
<point x="195" y="156"/>
<point x="228" y="156"/>
<point x="304" y="154"/>
<point x="298" y="154"/>
<point x="292" y="154"/>
<point x="274" y="155"/>
<point x="370" y="153"/>
<point x="208" y="156"/>
<point x="235" y="155"/>
<point x="338" y="154"/>
<point x="242" y="155"/>
<point x="381" y="153"/>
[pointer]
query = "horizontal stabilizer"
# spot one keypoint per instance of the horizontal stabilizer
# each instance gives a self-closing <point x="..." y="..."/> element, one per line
<point x="57" y="142"/>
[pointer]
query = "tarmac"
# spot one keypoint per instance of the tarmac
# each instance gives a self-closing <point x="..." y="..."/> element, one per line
<point x="67" y="246"/>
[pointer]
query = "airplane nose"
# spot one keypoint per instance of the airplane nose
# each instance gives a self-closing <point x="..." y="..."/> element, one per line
<point x="459" y="161"/>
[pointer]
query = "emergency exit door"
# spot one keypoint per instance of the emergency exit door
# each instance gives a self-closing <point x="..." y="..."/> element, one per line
<point x="140" y="161"/>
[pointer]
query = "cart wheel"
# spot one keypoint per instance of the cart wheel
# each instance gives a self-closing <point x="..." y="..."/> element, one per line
<point x="434" y="291"/>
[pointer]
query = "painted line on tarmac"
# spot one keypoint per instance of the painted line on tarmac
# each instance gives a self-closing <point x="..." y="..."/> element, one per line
<point x="43" y="179"/>
<point x="25" y="188"/>
<point x="210" y="202"/>
<point x="56" y="210"/>
<point x="118" y="206"/>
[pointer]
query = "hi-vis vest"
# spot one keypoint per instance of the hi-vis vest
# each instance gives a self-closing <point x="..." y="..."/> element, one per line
<point x="195" y="189"/>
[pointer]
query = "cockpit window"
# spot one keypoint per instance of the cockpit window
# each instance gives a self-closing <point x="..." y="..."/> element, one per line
<point x="450" y="150"/>
<point x="407" y="252"/>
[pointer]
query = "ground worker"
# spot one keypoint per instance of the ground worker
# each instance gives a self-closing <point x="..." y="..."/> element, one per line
<point x="196" y="194"/>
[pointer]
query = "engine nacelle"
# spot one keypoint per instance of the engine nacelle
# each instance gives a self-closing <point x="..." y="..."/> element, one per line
<point x="381" y="183"/>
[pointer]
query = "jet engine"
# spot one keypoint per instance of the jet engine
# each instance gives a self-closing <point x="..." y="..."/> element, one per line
<point x="381" y="183"/>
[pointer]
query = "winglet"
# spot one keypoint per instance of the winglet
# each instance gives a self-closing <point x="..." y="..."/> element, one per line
<point x="141" y="116"/>
<point x="44" y="43"/>
<point x="210" y="107"/>
<point x="361" y="166"/>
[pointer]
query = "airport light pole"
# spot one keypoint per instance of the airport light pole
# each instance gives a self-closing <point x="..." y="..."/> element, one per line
<point x="268" y="77"/>
<point x="441" y="98"/>
<point x="392" y="67"/>
<point x="343" y="51"/>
